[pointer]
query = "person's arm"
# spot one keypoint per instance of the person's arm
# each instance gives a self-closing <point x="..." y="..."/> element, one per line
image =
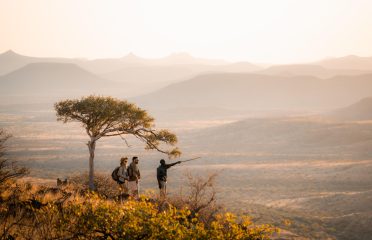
<point x="172" y="164"/>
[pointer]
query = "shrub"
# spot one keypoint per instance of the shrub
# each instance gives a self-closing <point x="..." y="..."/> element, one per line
<point x="199" y="196"/>
<point x="103" y="182"/>
<point x="94" y="217"/>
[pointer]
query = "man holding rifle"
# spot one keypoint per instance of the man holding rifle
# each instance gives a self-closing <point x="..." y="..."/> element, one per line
<point x="161" y="175"/>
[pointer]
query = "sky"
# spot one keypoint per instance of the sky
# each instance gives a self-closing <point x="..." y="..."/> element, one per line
<point x="267" y="31"/>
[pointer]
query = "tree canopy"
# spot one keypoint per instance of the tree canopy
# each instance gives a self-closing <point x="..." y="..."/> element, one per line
<point x="107" y="116"/>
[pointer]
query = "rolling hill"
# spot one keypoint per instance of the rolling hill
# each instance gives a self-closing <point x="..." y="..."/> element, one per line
<point x="148" y="78"/>
<point x="152" y="75"/>
<point x="53" y="80"/>
<point x="288" y="138"/>
<point x="172" y="72"/>
<point x="11" y="61"/>
<point x="359" y="111"/>
<point x="260" y="92"/>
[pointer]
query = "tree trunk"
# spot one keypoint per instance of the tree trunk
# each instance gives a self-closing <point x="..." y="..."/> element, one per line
<point x="91" y="147"/>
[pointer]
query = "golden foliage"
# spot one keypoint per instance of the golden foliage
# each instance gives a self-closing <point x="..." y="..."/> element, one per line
<point x="94" y="217"/>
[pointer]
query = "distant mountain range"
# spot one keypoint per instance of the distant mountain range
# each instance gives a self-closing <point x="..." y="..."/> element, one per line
<point x="347" y="62"/>
<point x="349" y="65"/>
<point x="312" y="70"/>
<point x="182" y="81"/>
<point x="11" y="61"/>
<point x="260" y="92"/>
<point x="138" y="75"/>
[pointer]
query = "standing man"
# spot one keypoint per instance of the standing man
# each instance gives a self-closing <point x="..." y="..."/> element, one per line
<point x="161" y="175"/>
<point x="123" y="176"/>
<point x="134" y="176"/>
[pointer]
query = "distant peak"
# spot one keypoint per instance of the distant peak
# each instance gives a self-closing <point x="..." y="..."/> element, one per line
<point x="10" y="53"/>
<point x="131" y="56"/>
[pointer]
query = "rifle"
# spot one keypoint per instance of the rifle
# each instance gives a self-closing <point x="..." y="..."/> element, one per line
<point x="192" y="159"/>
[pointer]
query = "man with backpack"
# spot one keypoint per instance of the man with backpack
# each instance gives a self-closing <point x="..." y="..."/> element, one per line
<point x="134" y="177"/>
<point x="161" y="175"/>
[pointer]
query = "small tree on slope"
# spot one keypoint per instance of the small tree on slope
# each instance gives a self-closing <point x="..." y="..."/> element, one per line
<point x="107" y="117"/>
<point x="8" y="168"/>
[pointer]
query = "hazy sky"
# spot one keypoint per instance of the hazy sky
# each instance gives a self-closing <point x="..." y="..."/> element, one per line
<point x="276" y="31"/>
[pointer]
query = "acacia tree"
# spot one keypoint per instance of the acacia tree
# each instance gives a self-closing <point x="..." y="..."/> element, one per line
<point x="107" y="117"/>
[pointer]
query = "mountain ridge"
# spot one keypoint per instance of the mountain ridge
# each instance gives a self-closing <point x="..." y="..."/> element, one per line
<point x="253" y="91"/>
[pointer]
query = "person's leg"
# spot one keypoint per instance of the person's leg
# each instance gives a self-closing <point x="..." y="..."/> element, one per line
<point x="121" y="191"/>
<point x="136" y="192"/>
<point x="163" y="189"/>
<point x="160" y="189"/>
<point x="130" y="188"/>
<point x="132" y="185"/>
<point x="125" y="187"/>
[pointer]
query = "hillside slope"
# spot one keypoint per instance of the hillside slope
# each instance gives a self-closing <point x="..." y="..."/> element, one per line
<point x="359" y="111"/>
<point x="260" y="92"/>
<point x="11" y="61"/>
<point x="53" y="79"/>
<point x="286" y="137"/>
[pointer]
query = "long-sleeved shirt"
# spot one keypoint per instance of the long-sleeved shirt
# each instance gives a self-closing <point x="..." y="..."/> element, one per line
<point x="123" y="173"/>
<point x="161" y="173"/>
<point x="133" y="172"/>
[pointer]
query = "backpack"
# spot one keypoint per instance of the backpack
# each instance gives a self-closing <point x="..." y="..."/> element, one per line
<point x="114" y="174"/>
